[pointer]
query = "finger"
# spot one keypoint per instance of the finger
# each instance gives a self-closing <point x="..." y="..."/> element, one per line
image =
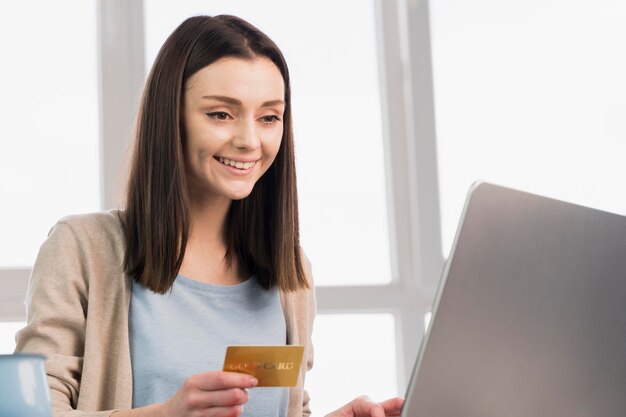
<point x="220" y="398"/>
<point x="393" y="406"/>
<point x="219" y="380"/>
<point x="365" y="407"/>
<point x="236" y="410"/>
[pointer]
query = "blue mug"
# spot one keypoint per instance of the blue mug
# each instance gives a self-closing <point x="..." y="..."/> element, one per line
<point x="24" y="387"/>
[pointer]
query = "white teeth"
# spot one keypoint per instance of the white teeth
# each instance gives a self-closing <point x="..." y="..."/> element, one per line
<point x="235" y="164"/>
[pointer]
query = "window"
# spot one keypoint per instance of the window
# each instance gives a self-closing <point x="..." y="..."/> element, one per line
<point x="49" y="161"/>
<point x="355" y="356"/>
<point x="49" y="158"/>
<point x="530" y="95"/>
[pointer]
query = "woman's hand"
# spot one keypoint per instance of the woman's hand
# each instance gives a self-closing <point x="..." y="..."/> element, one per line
<point x="364" y="407"/>
<point x="210" y="394"/>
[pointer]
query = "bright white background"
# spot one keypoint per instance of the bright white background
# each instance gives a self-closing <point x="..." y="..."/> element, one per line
<point x="530" y="94"/>
<point x="354" y="355"/>
<point x="48" y="121"/>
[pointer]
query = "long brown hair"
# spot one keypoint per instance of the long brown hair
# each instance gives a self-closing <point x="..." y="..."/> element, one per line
<point x="262" y="229"/>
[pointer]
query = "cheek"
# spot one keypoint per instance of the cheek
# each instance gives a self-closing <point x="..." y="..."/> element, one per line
<point x="274" y="148"/>
<point x="205" y="142"/>
<point x="276" y="142"/>
<point x="270" y="153"/>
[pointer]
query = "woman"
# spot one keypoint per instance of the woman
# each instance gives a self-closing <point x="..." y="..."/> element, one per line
<point x="132" y="307"/>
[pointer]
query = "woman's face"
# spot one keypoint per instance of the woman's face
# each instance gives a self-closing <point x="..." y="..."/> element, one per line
<point x="233" y="119"/>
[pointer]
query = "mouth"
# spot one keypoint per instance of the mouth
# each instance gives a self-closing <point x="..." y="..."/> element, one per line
<point x="236" y="164"/>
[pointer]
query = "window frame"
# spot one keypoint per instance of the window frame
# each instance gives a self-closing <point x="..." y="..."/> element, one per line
<point x="407" y="98"/>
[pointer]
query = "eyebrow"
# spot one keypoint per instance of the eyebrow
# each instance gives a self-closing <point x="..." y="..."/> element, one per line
<point x="236" y="102"/>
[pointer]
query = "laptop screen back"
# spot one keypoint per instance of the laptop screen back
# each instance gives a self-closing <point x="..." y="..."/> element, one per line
<point x="530" y="319"/>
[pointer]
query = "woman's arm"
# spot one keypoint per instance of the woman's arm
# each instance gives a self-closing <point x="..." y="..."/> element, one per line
<point x="56" y="304"/>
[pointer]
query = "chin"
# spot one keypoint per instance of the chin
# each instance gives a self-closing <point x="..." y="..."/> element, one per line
<point x="240" y="195"/>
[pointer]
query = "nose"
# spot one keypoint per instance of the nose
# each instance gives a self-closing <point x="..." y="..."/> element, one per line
<point x="247" y="137"/>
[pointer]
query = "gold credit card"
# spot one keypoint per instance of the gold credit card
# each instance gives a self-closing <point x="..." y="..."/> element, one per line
<point x="273" y="366"/>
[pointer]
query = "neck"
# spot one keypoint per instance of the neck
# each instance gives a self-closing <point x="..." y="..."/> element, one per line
<point x="208" y="221"/>
<point x="205" y="252"/>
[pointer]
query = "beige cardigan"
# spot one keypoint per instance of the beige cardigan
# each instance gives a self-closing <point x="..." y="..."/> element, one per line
<point x="77" y="315"/>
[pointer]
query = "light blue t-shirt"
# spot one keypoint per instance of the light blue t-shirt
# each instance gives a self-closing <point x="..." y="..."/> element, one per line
<point x="186" y="332"/>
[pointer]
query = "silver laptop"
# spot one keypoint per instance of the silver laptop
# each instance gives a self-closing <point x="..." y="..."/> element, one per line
<point x="530" y="318"/>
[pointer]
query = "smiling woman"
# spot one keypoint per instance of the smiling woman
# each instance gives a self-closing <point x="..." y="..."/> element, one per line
<point x="205" y="255"/>
<point x="207" y="227"/>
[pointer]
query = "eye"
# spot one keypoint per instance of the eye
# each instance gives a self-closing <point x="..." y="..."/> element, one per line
<point x="218" y="115"/>
<point x="270" y="120"/>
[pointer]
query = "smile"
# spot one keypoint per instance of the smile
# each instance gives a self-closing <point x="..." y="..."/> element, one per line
<point x="236" y="164"/>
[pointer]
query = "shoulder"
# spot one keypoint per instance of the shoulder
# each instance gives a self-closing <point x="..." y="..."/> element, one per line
<point x="104" y="226"/>
<point x="88" y="235"/>
<point x="80" y="249"/>
<point x="101" y="223"/>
